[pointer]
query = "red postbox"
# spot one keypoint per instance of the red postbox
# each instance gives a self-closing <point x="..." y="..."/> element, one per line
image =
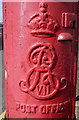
<point x="40" y="58"/>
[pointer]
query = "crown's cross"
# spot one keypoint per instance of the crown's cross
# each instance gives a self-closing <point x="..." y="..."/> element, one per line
<point x="43" y="11"/>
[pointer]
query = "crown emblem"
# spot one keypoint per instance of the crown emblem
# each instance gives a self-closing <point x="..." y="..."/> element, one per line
<point x="42" y="23"/>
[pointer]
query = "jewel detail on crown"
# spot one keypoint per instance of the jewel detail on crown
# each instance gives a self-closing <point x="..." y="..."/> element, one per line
<point x="42" y="23"/>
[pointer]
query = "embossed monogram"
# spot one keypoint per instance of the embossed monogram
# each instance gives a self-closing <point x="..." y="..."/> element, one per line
<point x="41" y="82"/>
<point x="43" y="24"/>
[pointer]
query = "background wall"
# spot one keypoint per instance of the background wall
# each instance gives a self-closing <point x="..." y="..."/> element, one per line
<point x="0" y="11"/>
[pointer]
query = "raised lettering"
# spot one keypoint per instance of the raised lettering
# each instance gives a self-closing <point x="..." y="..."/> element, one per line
<point x="23" y="108"/>
<point x="17" y="106"/>
<point x="43" y="109"/>
<point x="43" y="90"/>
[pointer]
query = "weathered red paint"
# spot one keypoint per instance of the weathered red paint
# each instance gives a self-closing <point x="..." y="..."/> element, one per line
<point x="40" y="58"/>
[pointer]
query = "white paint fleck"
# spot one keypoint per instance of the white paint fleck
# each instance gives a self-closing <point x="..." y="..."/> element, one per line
<point x="6" y="75"/>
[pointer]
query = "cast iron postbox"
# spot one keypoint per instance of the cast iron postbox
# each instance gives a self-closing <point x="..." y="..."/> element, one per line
<point x="40" y="59"/>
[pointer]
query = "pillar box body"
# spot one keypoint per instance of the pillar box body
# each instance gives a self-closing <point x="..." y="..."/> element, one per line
<point x="40" y="59"/>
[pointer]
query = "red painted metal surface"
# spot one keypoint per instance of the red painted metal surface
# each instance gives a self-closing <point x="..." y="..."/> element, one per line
<point x="40" y="58"/>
